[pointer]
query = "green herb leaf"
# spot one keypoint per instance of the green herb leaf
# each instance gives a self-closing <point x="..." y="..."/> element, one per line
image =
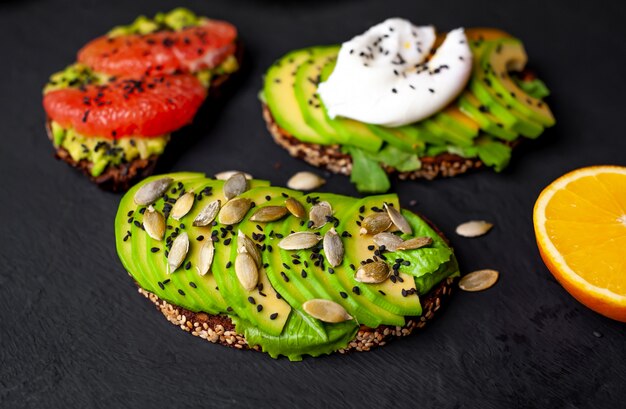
<point x="367" y="174"/>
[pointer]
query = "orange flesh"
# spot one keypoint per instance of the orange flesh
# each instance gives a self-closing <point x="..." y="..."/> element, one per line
<point x="586" y="222"/>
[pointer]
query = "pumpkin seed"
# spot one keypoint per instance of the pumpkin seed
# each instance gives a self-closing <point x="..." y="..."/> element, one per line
<point x="154" y="223"/>
<point x="398" y="220"/>
<point x="207" y="214"/>
<point x="375" y="223"/>
<point x="225" y="175"/>
<point x="319" y="214"/>
<point x="206" y="257"/>
<point x="295" y="208"/>
<point x="299" y="241"/>
<point x="246" y="271"/>
<point x="372" y="273"/>
<point x="183" y="205"/>
<point x="235" y="185"/>
<point x="178" y="252"/>
<point x="333" y="248"/>
<point x="246" y="245"/>
<point x="473" y="228"/>
<point x="305" y="181"/>
<point x="150" y="192"/>
<point x="234" y="210"/>
<point x="269" y="214"/>
<point x="479" y="280"/>
<point x="326" y="310"/>
<point x="415" y="243"/>
<point x="389" y="240"/>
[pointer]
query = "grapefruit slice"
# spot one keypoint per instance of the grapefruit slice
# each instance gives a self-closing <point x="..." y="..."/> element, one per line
<point x="580" y="225"/>
<point x="188" y="50"/>
<point x="149" y="106"/>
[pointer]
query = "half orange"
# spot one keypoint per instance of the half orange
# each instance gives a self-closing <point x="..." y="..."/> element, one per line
<point x="580" y="225"/>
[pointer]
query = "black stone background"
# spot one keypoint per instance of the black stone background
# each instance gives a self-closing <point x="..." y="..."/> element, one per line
<point x="74" y="333"/>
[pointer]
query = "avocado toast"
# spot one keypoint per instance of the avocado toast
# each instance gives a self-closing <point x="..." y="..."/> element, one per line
<point x="497" y="106"/>
<point x="249" y="265"/>
<point x="111" y="114"/>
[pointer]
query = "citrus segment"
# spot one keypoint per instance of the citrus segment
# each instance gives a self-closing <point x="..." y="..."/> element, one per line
<point x="580" y="225"/>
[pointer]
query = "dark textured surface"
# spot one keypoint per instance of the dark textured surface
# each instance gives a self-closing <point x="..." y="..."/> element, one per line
<point x="75" y="333"/>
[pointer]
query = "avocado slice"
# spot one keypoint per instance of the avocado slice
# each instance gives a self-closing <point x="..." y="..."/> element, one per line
<point x="308" y="77"/>
<point x="151" y="267"/>
<point x="390" y="295"/>
<point x="366" y="311"/>
<point x="498" y="59"/>
<point x="259" y="306"/>
<point x="280" y="96"/>
<point x="452" y="117"/>
<point x="472" y="107"/>
<point x="483" y="88"/>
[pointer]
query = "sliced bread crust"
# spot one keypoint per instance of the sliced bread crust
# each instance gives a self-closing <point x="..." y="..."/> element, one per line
<point x="219" y="329"/>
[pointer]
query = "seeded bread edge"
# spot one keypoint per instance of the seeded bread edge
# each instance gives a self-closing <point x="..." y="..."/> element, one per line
<point x="331" y="157"/>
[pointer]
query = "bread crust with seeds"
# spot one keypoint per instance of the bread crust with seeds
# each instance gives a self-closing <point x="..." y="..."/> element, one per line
<point x="331" y="157"/>
<point x="121" y="177"/>
<point x="219" y="329"/>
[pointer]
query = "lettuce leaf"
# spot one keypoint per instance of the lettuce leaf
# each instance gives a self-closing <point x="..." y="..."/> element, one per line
<point x="367" y="174"/>
<point x="397" y="158"/>
<point x="425" y="260"/>
<point x="426" y="282"/>
<point x="298" y="337"/>
<point x="535" y="88"/>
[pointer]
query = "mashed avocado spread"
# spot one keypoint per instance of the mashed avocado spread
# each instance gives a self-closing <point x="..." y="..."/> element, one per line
<point x="103" y="152"/>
